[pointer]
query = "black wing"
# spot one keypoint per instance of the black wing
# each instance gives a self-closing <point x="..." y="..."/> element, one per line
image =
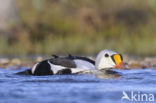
<point x="81" y="58"/>
<point x="65" y="62"/>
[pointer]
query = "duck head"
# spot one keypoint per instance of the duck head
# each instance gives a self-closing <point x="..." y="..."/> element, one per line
<point x="108" y="59"/>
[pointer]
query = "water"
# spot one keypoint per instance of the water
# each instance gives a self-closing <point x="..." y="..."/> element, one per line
<point x="74" y="88"/>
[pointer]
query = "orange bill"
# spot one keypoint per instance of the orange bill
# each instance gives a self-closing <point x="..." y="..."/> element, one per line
<point x="118" y="61"/>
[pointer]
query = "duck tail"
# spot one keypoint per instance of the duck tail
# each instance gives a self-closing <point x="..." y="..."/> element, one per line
<point x="26" y="72"/>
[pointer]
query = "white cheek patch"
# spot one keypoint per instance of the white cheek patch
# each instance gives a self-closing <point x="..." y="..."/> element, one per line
<point x="105" y="63"/>
<point x="110" y="61"/>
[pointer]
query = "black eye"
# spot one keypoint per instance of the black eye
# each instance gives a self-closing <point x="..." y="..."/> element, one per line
<point x="106" y="55"/>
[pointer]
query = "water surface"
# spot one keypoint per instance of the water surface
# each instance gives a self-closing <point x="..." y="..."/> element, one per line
<point x="74" y="88"/>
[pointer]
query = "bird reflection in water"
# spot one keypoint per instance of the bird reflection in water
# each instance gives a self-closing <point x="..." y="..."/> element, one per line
<point x="108" y="74"/>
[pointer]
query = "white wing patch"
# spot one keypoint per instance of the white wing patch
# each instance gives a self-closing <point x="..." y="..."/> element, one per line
<point x="84" y="65"/>
<point x="55" y="68"/>
<point x="77" y="70"/>
<point x="34" y="68"/>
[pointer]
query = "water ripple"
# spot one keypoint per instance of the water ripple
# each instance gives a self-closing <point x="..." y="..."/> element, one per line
<point x="73" y="88"/>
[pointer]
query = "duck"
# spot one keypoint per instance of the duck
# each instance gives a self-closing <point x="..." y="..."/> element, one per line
<point x="75" y="64"/>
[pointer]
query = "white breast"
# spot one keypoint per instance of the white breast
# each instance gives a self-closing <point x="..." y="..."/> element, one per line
<point x="82" y="64"/>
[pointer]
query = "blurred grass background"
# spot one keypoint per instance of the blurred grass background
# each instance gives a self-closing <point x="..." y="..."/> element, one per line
<point x="83" y="27"/>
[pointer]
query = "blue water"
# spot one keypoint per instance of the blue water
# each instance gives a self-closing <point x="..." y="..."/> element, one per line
<point x="74" y="88"/>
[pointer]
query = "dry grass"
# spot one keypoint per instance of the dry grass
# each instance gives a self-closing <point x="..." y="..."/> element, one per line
<point x="83" y="27"/>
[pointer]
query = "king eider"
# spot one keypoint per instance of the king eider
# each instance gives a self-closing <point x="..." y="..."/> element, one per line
<point x="75" y="64"/>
